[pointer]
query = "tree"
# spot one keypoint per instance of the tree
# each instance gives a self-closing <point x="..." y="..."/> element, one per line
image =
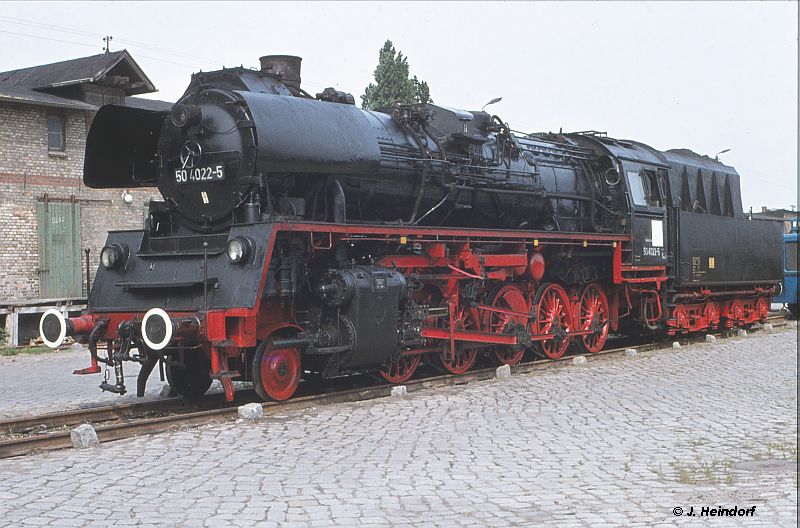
<point x="392" y="83"/>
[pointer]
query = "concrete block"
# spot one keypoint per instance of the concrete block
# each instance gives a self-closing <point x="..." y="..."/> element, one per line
<point x="792" y="324"/>
<point x="630" y="352"/>
<point x="741" y="333"/>
<point x="84" y="436"/>
<point x="676" y="344"/>
<point x="251" y="411"/>
<point x="167" y="392"/>
<point x="768" y="328"/>
<point x="399" y="391"/>
<point x="711" y="339"/>
<point x="579" y="360"/>
<point x="503" y="372"/>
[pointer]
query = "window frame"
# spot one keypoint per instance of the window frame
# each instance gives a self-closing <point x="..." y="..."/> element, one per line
<point x="645" y="189"/>
<point x="62" y="121"/>
<point x="787" y="258"/>
<point x="636" y="188"/>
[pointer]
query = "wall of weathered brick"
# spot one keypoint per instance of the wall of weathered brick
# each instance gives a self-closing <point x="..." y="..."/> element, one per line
<point x="30" y="174"/>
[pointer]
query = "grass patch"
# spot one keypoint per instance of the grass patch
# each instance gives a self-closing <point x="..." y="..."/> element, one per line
<point x="15" y="351"/>
<point x="714" y="472"/>
<point x="778" y="450"/>
<point x="782" y="450"/>
<point x="6" y="350"/>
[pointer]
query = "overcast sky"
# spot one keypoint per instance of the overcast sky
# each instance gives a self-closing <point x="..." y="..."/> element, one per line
<point x="704" y="76"/>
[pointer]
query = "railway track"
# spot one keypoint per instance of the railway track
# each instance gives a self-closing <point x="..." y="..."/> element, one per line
<point x="26" y="435"/>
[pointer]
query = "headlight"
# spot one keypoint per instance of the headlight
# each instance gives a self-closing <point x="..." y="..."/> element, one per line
<point x="239" y="249"/>
<point x="183" y="115"/>
<point x="113" y="256"/>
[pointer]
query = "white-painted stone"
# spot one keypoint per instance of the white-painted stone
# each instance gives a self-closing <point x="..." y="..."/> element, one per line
<point x="251" y="411"/>
<point x="579" y="360"/>
<point x="711" y="339"/>
<point x="768" y="328"/>
<point x="503" y="372"/>
<point x="399" y="391"/>
<point x="167" y="392"/>
<point x="630" y="352"/>
<point x="84" y="436"/>
<point x="741" y="333"/>
<point x="676" y="344"/>
<point x="792" y="324"/>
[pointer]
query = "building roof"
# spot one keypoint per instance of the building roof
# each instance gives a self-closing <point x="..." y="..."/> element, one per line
<point x="148" y="104"/>
<point x="116" y="69"/>
<point x="782" y="215"/>
<point x="41" y="85"/>
<point x="778" y="211"/>
<point x="17" y="94"/>
<point x="13" y="94"/>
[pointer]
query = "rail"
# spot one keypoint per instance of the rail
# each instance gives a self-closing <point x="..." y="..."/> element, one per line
<point x="32" y="434"/>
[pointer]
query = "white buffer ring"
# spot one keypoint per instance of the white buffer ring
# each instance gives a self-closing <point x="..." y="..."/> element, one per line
<point x="161" y="314"/>
<point x="62" y="334"/>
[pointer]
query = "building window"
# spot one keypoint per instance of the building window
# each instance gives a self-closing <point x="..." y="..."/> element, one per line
<point x="56" y="134"/>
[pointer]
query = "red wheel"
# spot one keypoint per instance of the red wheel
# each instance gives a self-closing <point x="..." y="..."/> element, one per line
<point x="762" y="307"/>
<point x="681" y="318"/>
<point x="400" y="370"/>
<point x="276" y="373"/>
<point x="592" y="314"/>
<point x="711" y="313"/>
<point x="509" y="298"/>
<point x="552" y="317"/>
<point x="467" y="319"/>
<point x="737" y="311"/>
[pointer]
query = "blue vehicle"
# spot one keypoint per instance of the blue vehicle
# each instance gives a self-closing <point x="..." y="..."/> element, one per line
<point x="788" y="294"/>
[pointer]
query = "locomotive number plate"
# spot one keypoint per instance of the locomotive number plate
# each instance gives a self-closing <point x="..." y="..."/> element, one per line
<point x="200" y="174"/>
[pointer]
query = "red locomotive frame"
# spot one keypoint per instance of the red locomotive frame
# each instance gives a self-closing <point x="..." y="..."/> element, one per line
<point x="543" y="314"/>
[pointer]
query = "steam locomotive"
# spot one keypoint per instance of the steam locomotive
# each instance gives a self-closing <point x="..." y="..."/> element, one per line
<point x="300" y="236"/>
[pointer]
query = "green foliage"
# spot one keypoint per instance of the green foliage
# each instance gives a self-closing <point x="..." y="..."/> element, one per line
<point x="713" y="472"/>
<point x="392" y="83"/>
<point x="15" y="351"/>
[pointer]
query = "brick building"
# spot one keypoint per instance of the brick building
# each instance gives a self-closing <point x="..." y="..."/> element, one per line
<point x="48" y="217"/>
<point x="785" y="216"/>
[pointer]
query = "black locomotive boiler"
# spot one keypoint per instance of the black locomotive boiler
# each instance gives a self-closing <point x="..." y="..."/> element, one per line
<point x="302" y="236"/>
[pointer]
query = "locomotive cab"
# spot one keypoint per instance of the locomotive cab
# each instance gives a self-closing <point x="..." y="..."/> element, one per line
<point x="641" y="173"/>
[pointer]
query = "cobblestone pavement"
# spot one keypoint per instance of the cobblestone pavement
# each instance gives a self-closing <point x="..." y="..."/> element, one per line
<point x="34" y="384"/>
<point x="616" y="442"/>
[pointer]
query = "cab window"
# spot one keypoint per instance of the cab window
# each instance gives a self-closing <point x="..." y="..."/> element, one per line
<point x="643" y="187"/>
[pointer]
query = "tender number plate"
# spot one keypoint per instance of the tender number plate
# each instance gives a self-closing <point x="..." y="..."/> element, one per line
<point x="200" y="174"/>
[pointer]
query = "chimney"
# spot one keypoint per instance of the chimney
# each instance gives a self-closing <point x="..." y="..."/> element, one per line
<point x="285" y="67"/>
<point x="764" y="209"/>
